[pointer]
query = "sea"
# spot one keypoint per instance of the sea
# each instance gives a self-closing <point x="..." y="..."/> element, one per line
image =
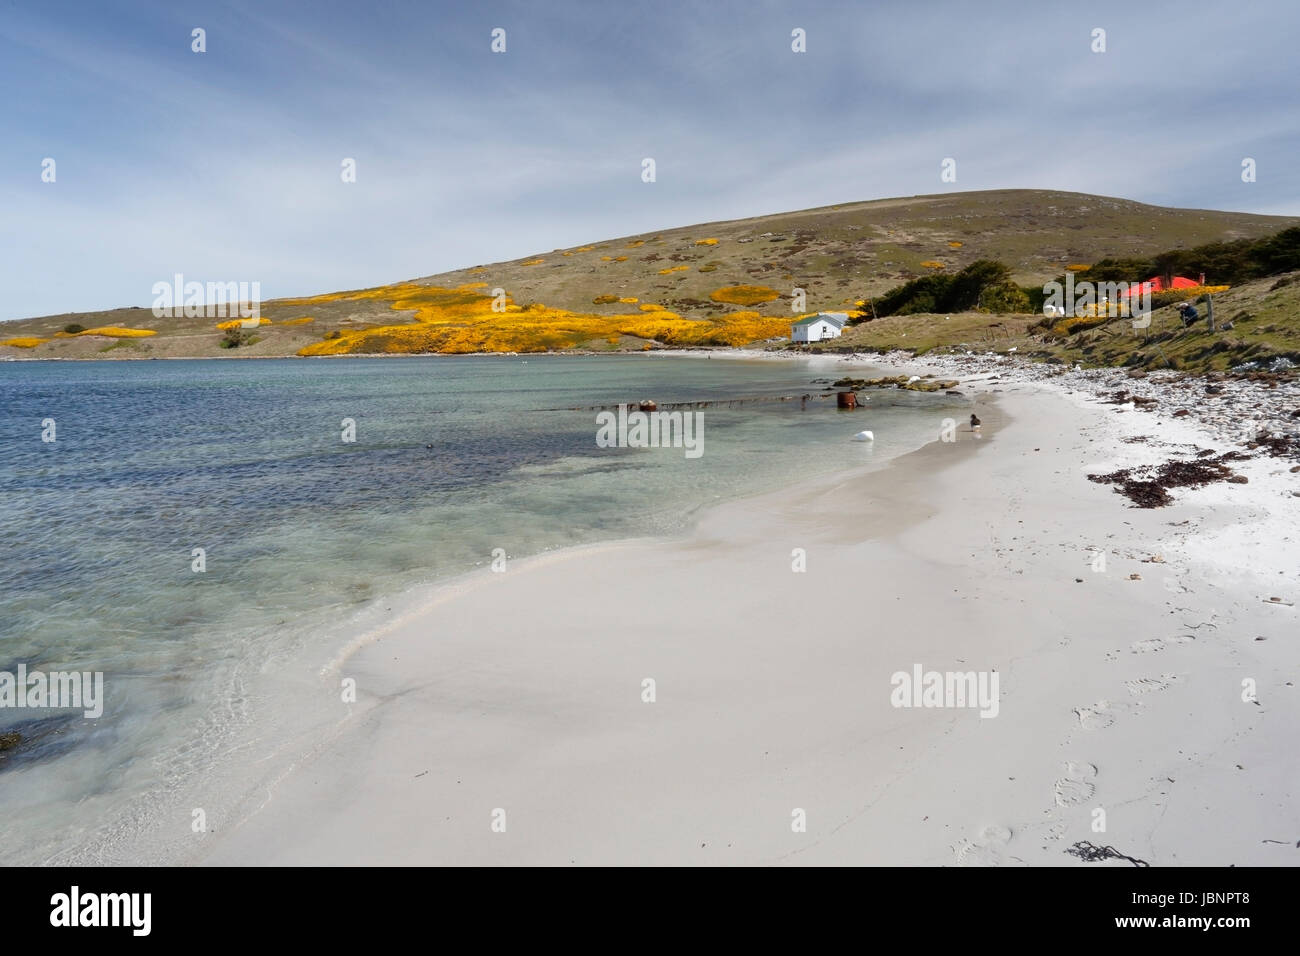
<point x="208" y="535"/>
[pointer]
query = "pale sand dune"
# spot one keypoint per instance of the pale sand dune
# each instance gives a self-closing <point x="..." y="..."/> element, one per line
<point x="523" y="691"/>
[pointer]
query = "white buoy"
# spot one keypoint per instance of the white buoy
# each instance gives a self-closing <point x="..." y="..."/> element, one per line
<point x="914" y="378"/>
<point x="864" y="436"/>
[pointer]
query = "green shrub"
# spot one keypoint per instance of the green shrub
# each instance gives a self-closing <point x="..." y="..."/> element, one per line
<point x="984" y="284"/>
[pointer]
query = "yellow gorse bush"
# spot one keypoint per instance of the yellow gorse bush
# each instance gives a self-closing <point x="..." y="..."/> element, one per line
<point x="24" y="342"/>
<point x="744" y="294"/>
<point x="955" y="244"/>
<point x="240" y="323"/>
<point x="706" y="242"/>
<point x="671" y="269"/>
<point x="118" y="332"/>
<point x="1087" y="319"/>
<point x="932" y="264"/>
<point x="461" y="320"/>
<point x="303" y="321"/>
<point x="533" y="262"/>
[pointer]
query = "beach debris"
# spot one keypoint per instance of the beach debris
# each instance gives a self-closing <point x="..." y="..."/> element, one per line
<point x="1282" y="601"/>
<point x="706" y="403"/>
<point x="864" y="436"/>
<point x="1147" y="486"/>
<point x="647" y="405"/>
<point x="1278" y="446"/>
<point x="846" y="400"/>
<point x="10" y="740"/>
<point x="1135" y="576"/>
<point x="1088" y="853"/>
<point x="913" y="383"/>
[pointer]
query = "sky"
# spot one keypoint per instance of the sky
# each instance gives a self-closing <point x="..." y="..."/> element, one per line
<point x="225" y="165"/>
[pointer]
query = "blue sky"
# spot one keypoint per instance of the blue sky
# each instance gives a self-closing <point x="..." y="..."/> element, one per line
<point x="224" y="166"/>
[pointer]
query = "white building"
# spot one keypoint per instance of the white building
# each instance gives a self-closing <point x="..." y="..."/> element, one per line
<point x="819" y="327"/>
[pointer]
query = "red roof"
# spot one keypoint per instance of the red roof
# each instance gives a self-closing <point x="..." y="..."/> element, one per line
<point x="1156" y="284"/>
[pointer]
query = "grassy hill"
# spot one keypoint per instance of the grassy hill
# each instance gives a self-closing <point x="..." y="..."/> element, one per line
<point x="726" y="283"/>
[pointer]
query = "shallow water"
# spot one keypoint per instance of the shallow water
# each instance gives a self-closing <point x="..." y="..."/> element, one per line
<point x="309" y="539"/>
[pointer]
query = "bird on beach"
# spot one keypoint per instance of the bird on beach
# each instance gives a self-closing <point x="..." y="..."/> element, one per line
<point x="974" y="422"/>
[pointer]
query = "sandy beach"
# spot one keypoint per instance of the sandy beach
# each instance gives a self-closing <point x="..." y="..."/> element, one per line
<point x="510" y="720"/>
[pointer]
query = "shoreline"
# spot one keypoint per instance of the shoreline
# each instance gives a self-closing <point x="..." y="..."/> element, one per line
<point x="539" y="712"/>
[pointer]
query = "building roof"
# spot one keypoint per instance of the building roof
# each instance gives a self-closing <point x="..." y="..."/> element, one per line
<point x="1157" y="284"/>
<point x="835" y="318"/>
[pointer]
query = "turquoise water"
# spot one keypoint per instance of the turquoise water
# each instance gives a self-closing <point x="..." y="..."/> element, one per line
<point x="308" y="539"/>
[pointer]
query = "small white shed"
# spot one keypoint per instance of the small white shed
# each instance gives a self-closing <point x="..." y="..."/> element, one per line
<point x="819" y="327"/>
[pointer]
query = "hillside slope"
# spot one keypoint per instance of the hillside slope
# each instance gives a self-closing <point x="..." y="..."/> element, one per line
<point x="1256" y="325"/>
<point x="668" y="287"/>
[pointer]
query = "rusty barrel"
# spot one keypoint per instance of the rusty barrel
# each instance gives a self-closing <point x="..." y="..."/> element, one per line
<point x="846" y="400"/>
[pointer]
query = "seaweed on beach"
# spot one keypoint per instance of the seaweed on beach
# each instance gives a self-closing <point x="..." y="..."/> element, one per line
<point x="1147" y="486"/>
<point x="1278" y="446"/>
<point x="1092" y="854"/>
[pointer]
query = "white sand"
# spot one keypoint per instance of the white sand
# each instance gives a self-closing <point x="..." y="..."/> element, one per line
<point x="523" y="690"/>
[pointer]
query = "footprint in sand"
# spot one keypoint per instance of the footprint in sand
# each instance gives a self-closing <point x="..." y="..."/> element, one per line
<point x="1098" y="716"/>
<point x="1153" y="644"/>
<point x="1145" y="685"/>
<point x="1075" y="786"/>
<point x="1148" y="646"/>
<point x="985" y="849"/>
